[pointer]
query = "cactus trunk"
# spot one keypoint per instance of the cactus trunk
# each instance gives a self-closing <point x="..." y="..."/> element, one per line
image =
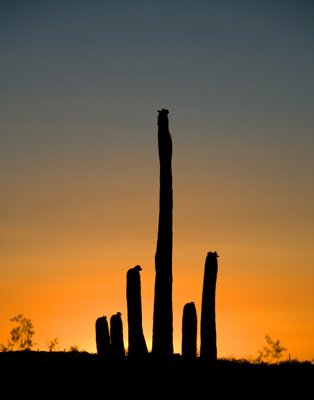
<point x="137" y="346"/>
<point x="102" y="337"/>
<point x="208" y="347"/>
<point x="162" y="342"/>
<point x="116" y="337"/>
<point x="189" y="332"/>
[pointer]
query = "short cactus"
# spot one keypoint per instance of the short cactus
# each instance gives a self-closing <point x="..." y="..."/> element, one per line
<point x="102" y="337"/>
<point x="116" y="336"/>
<point x="208" y="347"/>
<point x="137" y="346"/>
<point x="189" y="331"/>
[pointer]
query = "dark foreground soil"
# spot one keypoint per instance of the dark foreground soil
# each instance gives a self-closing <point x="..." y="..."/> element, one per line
<point x="70" y="374"/>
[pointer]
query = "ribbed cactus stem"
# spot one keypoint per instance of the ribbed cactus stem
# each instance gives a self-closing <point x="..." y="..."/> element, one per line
<point x="102" y="337"/>
<point x="137" y="346"/>
<point x="189" y="332"/>
<point x="208" y="346"/>
<point x="162" y="343"/>
<point x="116" y="336"/>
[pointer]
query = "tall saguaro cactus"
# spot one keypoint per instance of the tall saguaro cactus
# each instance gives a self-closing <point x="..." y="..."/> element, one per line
<point x="162" y="343"/>
<point x="208" y="347"/>
<point x="116" y="336"/>
<point x="137" y="345"/>
<point x="102" y="337"/>
<point x="189" y="331"/>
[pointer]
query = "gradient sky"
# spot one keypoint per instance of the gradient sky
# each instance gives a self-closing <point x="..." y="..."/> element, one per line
<point x="81" y="83"/>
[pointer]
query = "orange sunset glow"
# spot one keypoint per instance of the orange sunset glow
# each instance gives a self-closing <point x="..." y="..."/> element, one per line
<point x="79" y="204"/>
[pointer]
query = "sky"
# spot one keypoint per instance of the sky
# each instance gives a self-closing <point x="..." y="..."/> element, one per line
<point x="81" y="85"/>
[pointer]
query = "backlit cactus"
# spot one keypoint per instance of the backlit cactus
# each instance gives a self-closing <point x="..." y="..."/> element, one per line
<point x="137" y="346"/>
<point x="102" y="337"/>
<point x="189" y="332"/>
<point x="162" y="343"/>
<point x="116" y="336"/>
<point x="208" y="345"/>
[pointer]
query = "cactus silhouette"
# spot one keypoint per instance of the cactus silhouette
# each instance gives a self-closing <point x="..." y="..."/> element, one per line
<point x="189" y="332"/>
<point x="102" y="337"/>
<point x="116" y="337"/>
<point x="208" y="346"/>
<point x="137" y="345"/>
<point x="162" y="342"/>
